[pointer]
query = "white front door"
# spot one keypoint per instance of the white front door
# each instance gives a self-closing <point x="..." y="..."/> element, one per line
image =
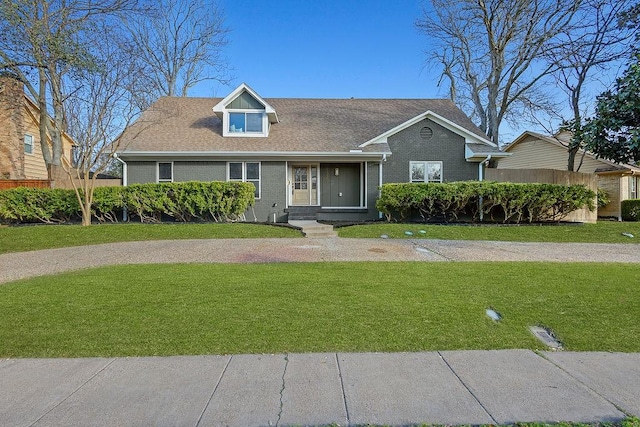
<point x="304" y="185"/>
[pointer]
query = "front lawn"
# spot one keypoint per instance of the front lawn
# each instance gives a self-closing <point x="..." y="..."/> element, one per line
<point x="602" y="232"/>
<point x="271" y="308"/>
<point x="29" y="238"/>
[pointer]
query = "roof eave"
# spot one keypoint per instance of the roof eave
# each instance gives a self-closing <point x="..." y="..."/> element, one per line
<point x="253" y="154"/>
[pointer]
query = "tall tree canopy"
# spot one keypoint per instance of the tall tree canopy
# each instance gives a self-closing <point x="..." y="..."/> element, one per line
<point x="491" y="53"/>
<point x="180" y="44"/>
<point x="91" y="71"/>
<point x="587" y="48"/>
<point x="614" y="132"/>
<point x="44" y="42"/>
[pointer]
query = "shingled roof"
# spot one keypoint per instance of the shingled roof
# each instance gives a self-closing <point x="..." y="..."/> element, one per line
<point x="182" y="124"/>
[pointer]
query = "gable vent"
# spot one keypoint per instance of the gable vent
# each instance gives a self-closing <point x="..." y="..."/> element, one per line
<point x="426" y="133"/>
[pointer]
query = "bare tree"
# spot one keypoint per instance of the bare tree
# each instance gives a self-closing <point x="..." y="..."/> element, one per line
<point x="491" y="52"/>
<point x="45" y="43"/>
<point x="98" y="111"/>
<point x="180" y="45"/>
<point x="587" y="49"/>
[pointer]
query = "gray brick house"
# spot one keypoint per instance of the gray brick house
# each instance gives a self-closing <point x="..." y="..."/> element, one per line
<point x="319" y="158"/>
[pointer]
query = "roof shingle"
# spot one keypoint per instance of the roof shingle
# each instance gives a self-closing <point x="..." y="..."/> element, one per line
<point x="306" y="125"/>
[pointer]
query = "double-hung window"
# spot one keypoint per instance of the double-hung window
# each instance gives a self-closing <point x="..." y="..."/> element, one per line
<point x="425" y="171"/>
<point x="28" y="144"/>
<point x="245" y="172"/>
<point x="165" y="172"/>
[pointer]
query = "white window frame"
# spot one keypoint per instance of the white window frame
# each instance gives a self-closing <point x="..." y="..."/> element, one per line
<point x="633" y="187"/>
<point x="244" y="134"/>
<point x="158" y="172"/>
<point x="426" y="164"/>
<point x="30" y="144"/>
<point x="244" y="176"/>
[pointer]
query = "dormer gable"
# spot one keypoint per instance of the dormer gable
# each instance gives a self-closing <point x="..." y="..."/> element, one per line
<point x="245" y="114"/>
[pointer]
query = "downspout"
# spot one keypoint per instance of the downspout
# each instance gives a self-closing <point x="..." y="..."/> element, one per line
<point x="480" y="179"/>
<point x="384" y="159"/>
<point x="124" y="182"/>
<point x="620" y="197"/>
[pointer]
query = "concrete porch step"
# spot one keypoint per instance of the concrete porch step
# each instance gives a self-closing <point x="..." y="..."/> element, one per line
<point x="313" y="229"/>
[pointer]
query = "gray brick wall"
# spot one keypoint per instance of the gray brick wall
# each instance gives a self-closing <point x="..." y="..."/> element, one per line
<point x="446" y="146"/>
<point x="273" y="190"/>
<point x="141" y="172"/>
<point x="373" y="177"/>
<point x="199" y="171"/>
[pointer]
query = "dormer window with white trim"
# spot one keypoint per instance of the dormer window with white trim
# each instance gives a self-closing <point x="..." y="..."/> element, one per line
<point x="246" y="122"/>
<point x="245" y="114"/>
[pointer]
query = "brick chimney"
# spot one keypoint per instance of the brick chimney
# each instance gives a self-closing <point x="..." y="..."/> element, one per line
<point x="11" y="127"/>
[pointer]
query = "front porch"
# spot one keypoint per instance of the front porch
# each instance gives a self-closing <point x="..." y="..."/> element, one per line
<point x="331" y="191"/>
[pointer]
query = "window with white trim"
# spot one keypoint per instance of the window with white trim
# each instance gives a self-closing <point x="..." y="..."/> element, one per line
<point x="165" y="171"/>
<point x="425" y="171"/>
<point x="633" y="187"/>
<point x="28" y="144"/>
<point x="245" y="122"/>
<point x="245" y="172"/>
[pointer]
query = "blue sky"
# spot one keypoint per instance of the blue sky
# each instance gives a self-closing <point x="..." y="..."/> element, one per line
<point x="326" y="49"/>
<point x="334" y="49"/>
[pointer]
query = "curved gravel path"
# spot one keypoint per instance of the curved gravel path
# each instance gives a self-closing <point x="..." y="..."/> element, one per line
<point x="14" y="266"/>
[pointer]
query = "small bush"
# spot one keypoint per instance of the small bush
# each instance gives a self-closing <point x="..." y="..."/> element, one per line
<point x="603" y="198"/>
<point x="631" y="210"/>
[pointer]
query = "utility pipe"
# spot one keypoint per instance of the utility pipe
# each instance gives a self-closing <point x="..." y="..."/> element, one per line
<point x="124" y="182"/>
<point x="480" y="179"/>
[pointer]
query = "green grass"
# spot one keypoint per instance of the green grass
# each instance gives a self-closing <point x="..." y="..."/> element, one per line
<point x="271" y="308"/>
<point x="602" y="232"/>
<point x="28" y="238"/>
<point x="626" y="422"/>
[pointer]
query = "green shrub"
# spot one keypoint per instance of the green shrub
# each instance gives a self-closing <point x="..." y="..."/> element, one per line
<point x="603" y="198"/>
<point x="631" y="210"/>
<point x="108" y="203"/>
<point x="46" y="205"/>
<point x="187" y="201"/>
<point x="506" y="202"/>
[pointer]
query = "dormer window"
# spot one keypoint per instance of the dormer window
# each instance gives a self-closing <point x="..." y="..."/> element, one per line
<point x="245" y="122"/>
<point x="244" y="113"/>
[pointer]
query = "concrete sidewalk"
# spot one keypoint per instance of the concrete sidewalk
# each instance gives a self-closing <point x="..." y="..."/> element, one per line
<point x="450" y="387"/>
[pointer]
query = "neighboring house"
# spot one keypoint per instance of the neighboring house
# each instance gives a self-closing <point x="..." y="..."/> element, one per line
<point x="535" y="151"/>
<point x="20" y="151"/>
<point x="308" y="158"/>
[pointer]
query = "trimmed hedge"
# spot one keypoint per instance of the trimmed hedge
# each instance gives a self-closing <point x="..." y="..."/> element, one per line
<point x="631" y="210"/>
<point x="46" y="205"/>
<point x="187" y="201"/>
<point x="497" y="201"/>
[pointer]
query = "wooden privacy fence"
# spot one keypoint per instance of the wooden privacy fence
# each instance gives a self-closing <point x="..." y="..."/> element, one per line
<point x="6" y="184"/>
<point x="66" y="183"/>
<point x="551" y="176"/>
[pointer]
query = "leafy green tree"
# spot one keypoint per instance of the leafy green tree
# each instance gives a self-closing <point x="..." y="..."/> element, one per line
<point x="614" y="132"/>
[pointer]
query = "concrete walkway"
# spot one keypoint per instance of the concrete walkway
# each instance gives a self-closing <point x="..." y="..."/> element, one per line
<point x="449" y="387"/>
<point x="21" y="265"/>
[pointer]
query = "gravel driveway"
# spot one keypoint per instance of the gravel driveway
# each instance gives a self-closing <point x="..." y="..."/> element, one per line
<point x="14" y="266"/>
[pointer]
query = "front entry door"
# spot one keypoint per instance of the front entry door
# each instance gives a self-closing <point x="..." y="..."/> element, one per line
<point x="304" y="188"/>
